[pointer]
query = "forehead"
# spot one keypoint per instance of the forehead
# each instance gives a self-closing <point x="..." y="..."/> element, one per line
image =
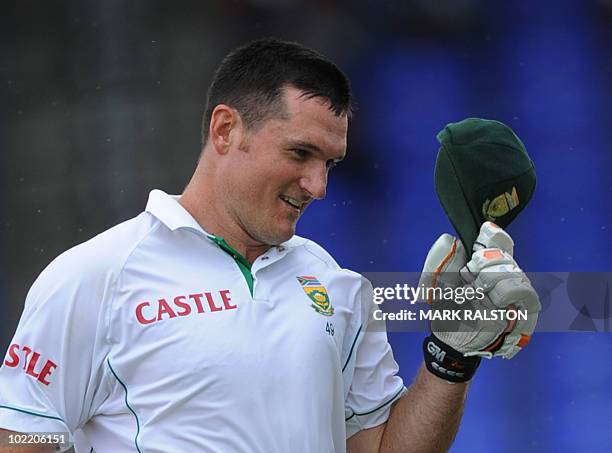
<point x="310" y="120"/>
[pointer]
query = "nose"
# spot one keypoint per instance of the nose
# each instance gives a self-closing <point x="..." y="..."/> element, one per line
<point x="314" y="182"/>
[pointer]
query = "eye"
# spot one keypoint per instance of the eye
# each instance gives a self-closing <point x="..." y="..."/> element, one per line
<point x="300" y="153"/>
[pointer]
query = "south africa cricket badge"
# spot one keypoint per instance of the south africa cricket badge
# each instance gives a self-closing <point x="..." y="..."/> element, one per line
<point x="317" y="293"/>
<point x="500" y="205"/>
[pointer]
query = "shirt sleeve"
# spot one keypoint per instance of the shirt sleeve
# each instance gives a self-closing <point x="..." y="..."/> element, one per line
<point x="50" y="376"/>
<point x="371" y="368"/>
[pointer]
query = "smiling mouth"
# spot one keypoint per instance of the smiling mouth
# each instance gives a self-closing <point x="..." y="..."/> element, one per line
<point x="295" y="204"/>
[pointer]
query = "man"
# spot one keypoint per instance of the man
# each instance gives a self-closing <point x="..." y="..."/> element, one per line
<point x="205" y="323"/>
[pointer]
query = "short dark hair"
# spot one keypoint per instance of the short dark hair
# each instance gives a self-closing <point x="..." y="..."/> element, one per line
<point x="251" y="79"/>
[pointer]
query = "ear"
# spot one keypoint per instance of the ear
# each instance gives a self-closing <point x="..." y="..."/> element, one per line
<point x="224" y="123"/>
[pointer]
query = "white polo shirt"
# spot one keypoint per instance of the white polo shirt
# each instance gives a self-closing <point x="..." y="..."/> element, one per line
<point x="152" y="337"/>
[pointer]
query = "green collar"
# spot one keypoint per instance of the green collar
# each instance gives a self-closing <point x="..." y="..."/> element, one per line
<point x="241" y="261"/>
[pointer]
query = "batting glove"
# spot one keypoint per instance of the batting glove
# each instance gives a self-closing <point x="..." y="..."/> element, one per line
<point x="454" y="349"/>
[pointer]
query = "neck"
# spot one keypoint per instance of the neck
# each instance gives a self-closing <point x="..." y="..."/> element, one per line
<point x="201" y="200"/>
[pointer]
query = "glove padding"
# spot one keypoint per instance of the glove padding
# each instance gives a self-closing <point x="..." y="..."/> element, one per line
<point x="504" y="285"/>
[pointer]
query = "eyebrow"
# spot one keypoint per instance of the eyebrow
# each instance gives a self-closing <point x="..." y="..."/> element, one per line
<point x="314" y="148"/>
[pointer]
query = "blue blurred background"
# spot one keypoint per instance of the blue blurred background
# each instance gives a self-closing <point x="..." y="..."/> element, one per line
<point x="101" y="102"/>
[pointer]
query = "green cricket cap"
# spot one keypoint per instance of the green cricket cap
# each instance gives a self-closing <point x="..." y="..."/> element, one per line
<point x="483" y="173"/>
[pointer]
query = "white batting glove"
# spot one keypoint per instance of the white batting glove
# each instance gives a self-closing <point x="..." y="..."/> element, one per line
<point x="505" y="287"/>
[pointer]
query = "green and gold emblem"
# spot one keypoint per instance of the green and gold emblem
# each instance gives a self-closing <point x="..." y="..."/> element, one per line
<point x="500" y="205"/>
<point x="317" y="293"/>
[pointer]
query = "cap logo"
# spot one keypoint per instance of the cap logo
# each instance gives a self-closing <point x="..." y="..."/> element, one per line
<point x="317" y="293"/>
<point x="500" y="205"/>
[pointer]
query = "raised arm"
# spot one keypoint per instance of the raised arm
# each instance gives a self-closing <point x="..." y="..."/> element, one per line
<point x="425" y="419"/>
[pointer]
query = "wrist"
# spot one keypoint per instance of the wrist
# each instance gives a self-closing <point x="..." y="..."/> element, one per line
<point x="446" y="362"/>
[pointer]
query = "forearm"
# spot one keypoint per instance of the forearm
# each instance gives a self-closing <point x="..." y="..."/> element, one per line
<point x="427" y="417"/>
